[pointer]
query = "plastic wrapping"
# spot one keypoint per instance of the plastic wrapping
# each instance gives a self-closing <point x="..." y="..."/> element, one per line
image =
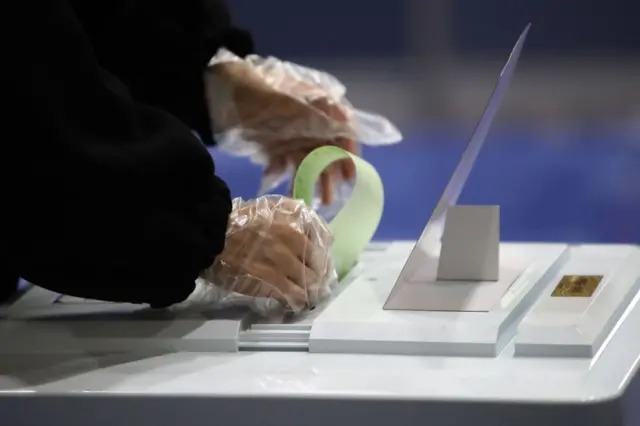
<point x="276" y="112"/>
<point x="277" y="259"/>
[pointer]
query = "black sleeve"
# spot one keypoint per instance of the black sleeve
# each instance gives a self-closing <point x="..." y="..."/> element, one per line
<point x="218" y="30"/>
<point x="158" y="42"/>
<point x="117" y="200"/>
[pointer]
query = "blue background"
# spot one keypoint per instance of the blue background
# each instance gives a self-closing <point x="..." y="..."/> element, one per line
<point x="564" y="183"/>
<point x="586" y="191"/>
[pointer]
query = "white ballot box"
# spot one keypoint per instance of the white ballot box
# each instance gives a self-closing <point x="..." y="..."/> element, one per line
<point x="559" y="347"/>
<point x="453" y="329"/>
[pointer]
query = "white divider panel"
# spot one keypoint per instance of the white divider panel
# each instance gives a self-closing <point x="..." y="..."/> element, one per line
<point x="357" y="323"/>
<point x="470" y="244"/>
<point x="574" y="318"/>
<point x="36" y="324"/>
<point x="292" y="334"/>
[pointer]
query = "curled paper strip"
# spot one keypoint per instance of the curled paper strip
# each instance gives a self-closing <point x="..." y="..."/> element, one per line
<point x="356" y="223"/>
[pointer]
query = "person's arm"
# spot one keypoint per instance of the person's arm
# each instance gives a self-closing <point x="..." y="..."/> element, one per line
<point x="166" y="50"/>
<point x="217" y="29"/>
<point x="118" y="201"/>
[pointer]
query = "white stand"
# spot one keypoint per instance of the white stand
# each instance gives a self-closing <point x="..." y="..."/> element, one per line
<point x="466" y="274"/>
<point x="457" y="268"/>
<point x="471" y="244"/>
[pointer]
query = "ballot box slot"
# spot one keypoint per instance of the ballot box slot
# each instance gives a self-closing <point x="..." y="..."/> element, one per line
<point x="273" y="346"/>
<point x="275" y="337"/>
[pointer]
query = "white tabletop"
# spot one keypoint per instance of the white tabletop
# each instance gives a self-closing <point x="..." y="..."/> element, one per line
<point x="340" y="388"/>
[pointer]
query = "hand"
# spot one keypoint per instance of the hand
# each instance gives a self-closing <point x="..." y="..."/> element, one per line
<point x="287" y="118"/>
<point x="340" y="170"/>
<point x="287" y="155"/>
<point x="276" y="248"/>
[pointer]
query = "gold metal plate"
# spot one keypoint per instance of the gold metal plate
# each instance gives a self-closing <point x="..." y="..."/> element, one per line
<point x="577" y="286"/>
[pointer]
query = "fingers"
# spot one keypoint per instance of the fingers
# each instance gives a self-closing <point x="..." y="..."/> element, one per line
<point x="282" y="253"/>
<point x="281" y="160"/>
<point x="263" y="277"/>
<point x="266" y="282"/>
<point x="300" y="262"/>
<point x="344" y="169"/>
<point x="277" y="164"/>
<point x="349" y="145"/>
<point x="308" y="281"/>
<point x="280" y="276"/>
<point x="347" y="169"/>
<point x="326" y="188"/>
<point x="292" y="268"/>
<point x="329" y="107"/>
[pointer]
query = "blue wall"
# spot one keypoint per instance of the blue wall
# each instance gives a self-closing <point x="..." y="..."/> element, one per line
<point x="369" y="28"/>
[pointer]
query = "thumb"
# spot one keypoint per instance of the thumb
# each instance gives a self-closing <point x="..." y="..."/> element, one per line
<point x="273" y="174"/>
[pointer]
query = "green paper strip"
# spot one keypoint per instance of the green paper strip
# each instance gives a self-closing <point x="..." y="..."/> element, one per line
<point x="356" y="223"/>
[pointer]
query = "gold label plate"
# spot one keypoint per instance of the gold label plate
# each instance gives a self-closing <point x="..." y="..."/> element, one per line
<point x="577" y="286"/>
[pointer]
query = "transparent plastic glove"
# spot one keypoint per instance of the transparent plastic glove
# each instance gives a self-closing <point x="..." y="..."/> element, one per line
<point x="276" y="112"/>
<point x="277" y="249"/>
<point x="285" y="164"/>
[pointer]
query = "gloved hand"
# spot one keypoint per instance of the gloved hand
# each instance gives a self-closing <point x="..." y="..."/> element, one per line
<point x="276" y="248"/>
<point x="288" y="160"/>
<point x="284" y="116"/>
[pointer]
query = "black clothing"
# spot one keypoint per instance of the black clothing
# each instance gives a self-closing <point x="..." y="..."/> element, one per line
<point x="115" y="198"/>
<point x="159" y="49"/>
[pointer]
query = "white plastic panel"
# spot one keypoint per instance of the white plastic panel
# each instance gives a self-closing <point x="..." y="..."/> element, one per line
<point x="292" y="333"/>
<point x="357" y="323"/>
<point x="424" y="292"/>
<point x="35" y="324"/>
<point x="571" y="326"/>
<point x="42" y="322"/>
<point x="433" y="390"/>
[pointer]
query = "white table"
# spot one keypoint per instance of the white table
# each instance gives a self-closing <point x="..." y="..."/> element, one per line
<point x="54" y="373"/>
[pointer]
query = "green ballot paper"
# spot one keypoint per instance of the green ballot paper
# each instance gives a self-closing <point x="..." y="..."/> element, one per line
<point x="356" y="223"/>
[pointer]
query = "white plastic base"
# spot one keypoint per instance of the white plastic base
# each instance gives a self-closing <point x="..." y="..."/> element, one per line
<point x="424" y="292"/>
<point x="37" y="324"/>
<point x="357" y="323"/>
<point x="164" y="382"/>
<point x="523" y="311"/>
<point x="579" y="326"/>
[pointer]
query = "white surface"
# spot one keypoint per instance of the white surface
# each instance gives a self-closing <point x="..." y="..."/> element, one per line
<point x="429" y="242"/>
<point x="36" y="324"/>
<point x="469" y="274"/>
<point x="471" y="244"/>
<point x="424" y="292"/>
<point x="428" y="294"/>
<point x="163" y="387"/>
<point x="299" y="374"/>
<point x="357" y="323"/>
<point x="579" y="326"/>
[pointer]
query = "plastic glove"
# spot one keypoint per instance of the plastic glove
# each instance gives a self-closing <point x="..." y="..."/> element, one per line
<point x="276" y="248"/>
<point x="284" y="163"/>
<point x="271" y="106"/>
<point x="273" y="120"/>
<point x="277" y="112"/>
